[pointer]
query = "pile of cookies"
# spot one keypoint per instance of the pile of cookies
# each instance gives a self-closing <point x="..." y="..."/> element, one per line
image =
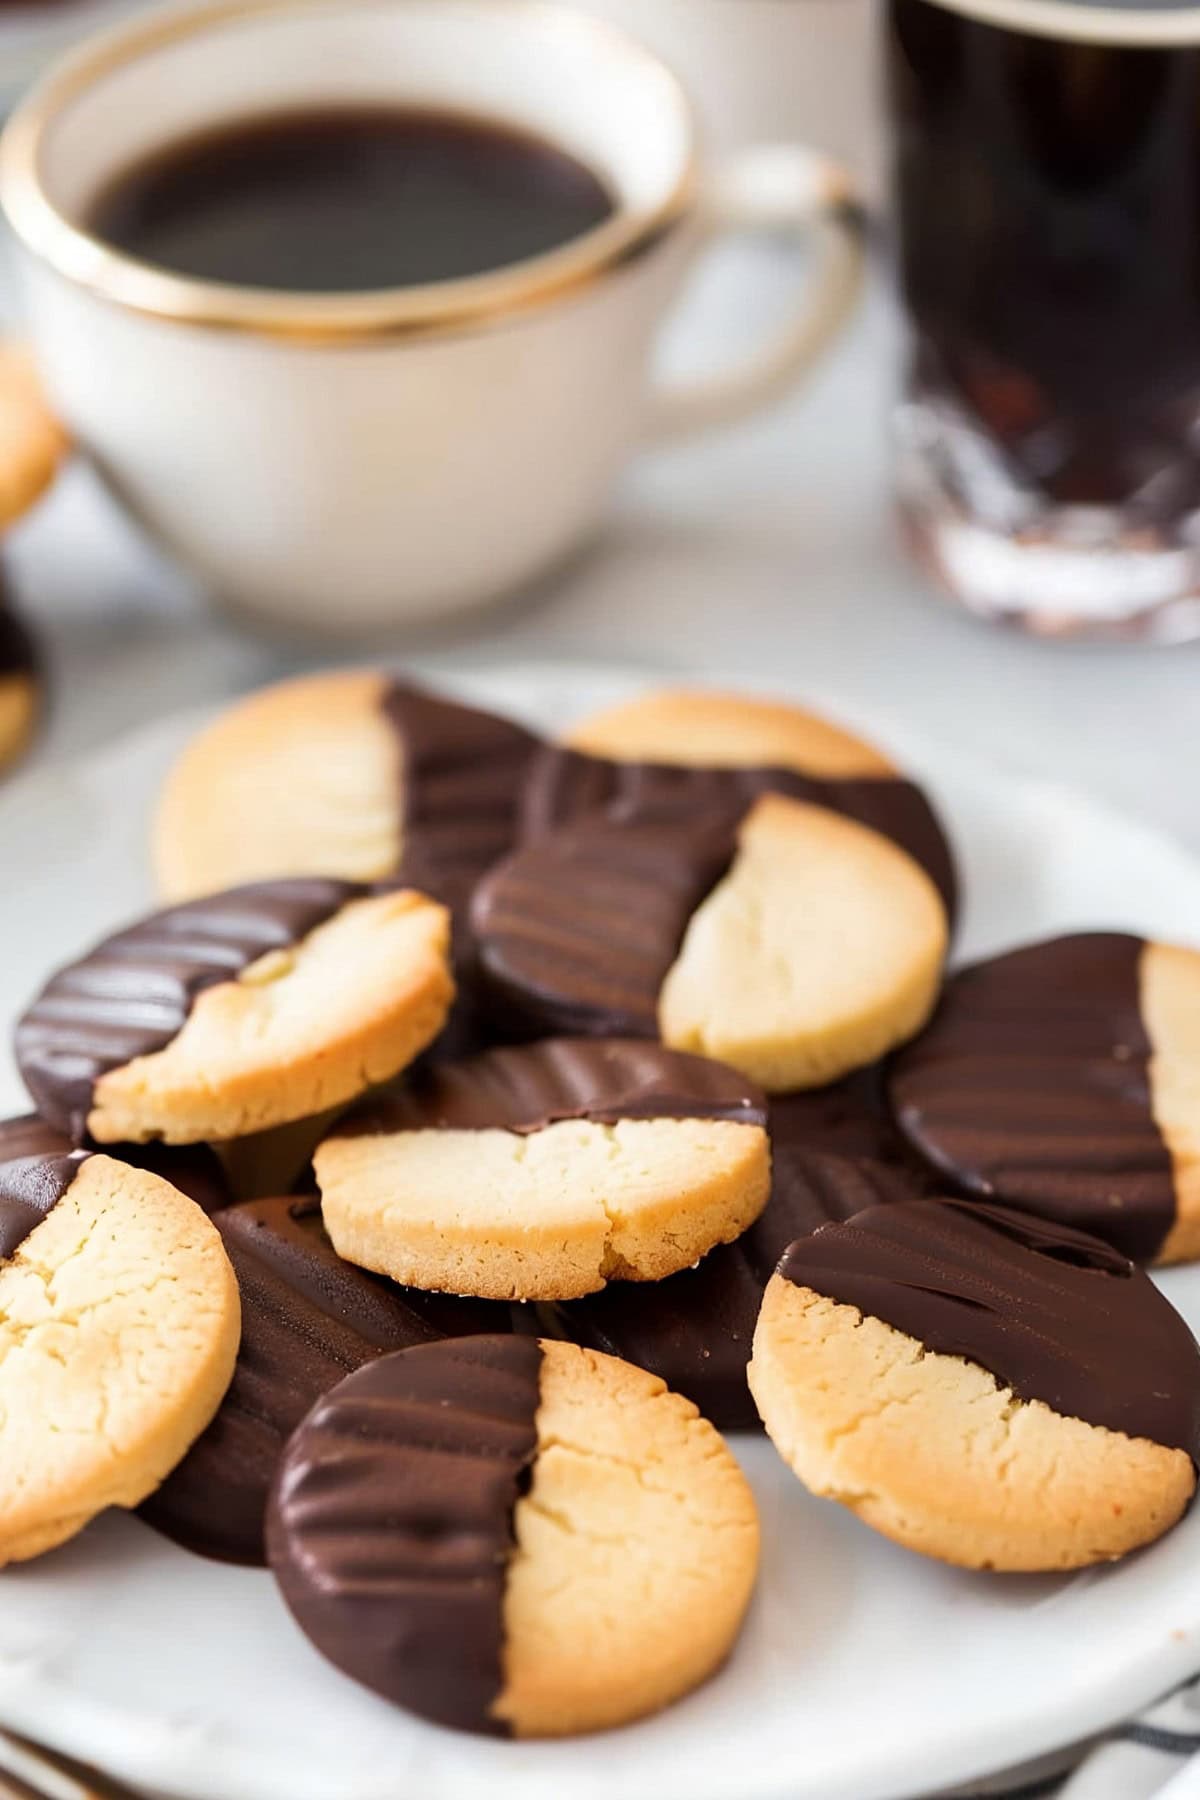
<point x="488" y="1123"/>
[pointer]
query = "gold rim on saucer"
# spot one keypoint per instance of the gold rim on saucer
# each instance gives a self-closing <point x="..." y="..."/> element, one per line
<point x="448" y="306"/>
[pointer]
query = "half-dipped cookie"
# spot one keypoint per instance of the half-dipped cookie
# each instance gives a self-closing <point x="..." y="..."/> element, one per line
<point x="1064" y="1077"/>
<point x="514" y="1537"/>
<point x="247" y="1009"/>
<point x="541" y="1172"/>
<point x="611" y="753"/>
<point x="773" y="934"/>
<point x="986" y="1387"/>
<point x="118" y="1331"/>
<point x="308" y="1319"/>
<point x="357" y="774"/>
<point x="20" y="686"/>
<point x="832" y="1155"/>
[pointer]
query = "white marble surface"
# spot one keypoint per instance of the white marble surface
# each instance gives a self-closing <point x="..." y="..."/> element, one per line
<point x="768" y="549"/>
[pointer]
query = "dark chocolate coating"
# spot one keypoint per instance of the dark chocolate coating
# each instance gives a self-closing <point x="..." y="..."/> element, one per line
<point x="1031" y="1087"/>
<point x="38" y="1165"/>
<point x="833" y="1152"/>
<point x="1053" y="1313"/>
<point x="18" y="652"/>
<point x="565" y="784"/>
<point x="308" y="1319"/>
<point x="462" y="778"/>
<point x="578" y="928"/>
<point x="577" y="931"/>
<point x="390" y="1526"/>
<point x="132" y="993"/>
<point x="695" y="1329"/>
<point x="526" y="1088"/>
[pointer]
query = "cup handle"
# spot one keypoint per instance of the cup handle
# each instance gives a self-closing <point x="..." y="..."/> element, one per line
<point x="771" y="188"/>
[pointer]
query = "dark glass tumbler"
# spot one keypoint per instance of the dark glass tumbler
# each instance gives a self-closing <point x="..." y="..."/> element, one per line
<point x="1047" y="188"/>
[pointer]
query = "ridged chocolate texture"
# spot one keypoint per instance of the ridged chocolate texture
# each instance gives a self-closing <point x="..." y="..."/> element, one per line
<point x="308" y="1319"/>
<point x="578" y="928"/>
<point x="577" y="931"/>
<point x="1031" y="1087"/>
<point x="38" y="1165"/>
<point x="132" y="994"/>
<point x="1054" y="1314"/>
<point x="526" y="1088"/>
<point x="565" y="784"/>
<point x="391" y="1524"/>
<point x="18" y="652"/>
<point x="832" y="1156"/>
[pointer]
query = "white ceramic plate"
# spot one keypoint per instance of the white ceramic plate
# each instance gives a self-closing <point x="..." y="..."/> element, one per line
<point x="864" y="1673"/>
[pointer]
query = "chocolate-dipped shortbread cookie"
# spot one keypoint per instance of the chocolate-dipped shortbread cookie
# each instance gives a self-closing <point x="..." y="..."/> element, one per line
<point x="540" y="1173"/>
<point x="833" y="1154"/>
<point x="308" y="1319"/>
<point x="20" y="686"/>
<point x="1064" y="1077"/>
<point x="769" y="743"/>
<point x="245" y="1010"/>
<point x="779" y="936"/>
<point x="357" y="774"/>
<point x="511" y="1537"/>
<point x="986" y="1387"/>
<point x="118" y="1331"/>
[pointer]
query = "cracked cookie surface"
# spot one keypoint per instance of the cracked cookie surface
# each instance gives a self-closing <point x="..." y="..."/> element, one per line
<point x="980" y="1386"/>
<point x="514" y="1537"/>
<point x="608" y="1159"/>
<point x="119" y="1322"/>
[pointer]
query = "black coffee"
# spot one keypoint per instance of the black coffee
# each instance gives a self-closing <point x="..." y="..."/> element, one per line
<point x="1049" y="223"/>
<point x="349" y="199"/>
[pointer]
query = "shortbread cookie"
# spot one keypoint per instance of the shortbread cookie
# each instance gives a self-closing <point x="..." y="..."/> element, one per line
<point x="20" y="687"/>
<point x="983" y="1386"/>
<point x="308" y="1318"/>
<point x="695" y="1329"/>
<point x="540" y="1173"/>
<point x="788" y="941"/>
<point x="118" y="1332"/>
<point x="246" y="1010"/>
<point x="32" y="442"/>
<point x="772" y="747"/>
<point x="1064" y="1077"/>
<point x="512" y="1537"/>
<point x="356" y="774"/>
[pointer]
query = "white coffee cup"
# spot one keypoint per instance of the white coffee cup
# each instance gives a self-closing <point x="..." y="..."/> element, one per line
<point x="353" y="461"/>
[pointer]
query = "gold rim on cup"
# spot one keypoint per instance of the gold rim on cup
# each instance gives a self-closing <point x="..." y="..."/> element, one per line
<point x="449" y="306"/>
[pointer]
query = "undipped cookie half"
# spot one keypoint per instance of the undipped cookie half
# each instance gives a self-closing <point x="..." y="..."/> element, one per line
<point x="118" y="1331"/>
<point x="986" y="1387"/>
<point x="248" y="1009"/>
<point x="1064" y="1077"/>
<point x="540" y="1173"/>
<point x="308" y="1319"/>
<point x="514" y="1537"/>
<point x="786" y="939"/>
